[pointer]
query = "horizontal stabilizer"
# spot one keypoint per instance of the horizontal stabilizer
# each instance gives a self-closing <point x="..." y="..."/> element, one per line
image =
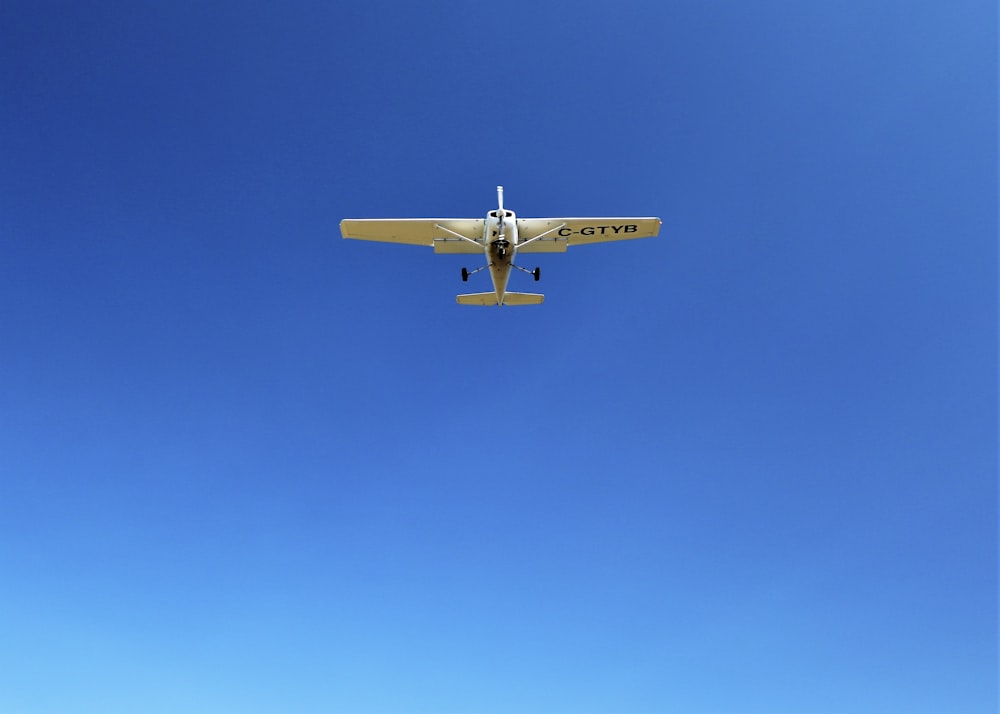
<point x="477" y="299"/>
<point x="523" y="298"/>
<point x="508" y="299"/>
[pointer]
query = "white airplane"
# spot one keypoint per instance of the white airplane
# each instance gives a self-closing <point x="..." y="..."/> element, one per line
<point x="500" y="236"/>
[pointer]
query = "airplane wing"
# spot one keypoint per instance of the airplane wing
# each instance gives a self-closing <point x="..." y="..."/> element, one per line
<point x="554" y="235"/>
<point x="443" y="234"/>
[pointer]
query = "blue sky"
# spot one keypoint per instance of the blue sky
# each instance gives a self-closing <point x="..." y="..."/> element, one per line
<point x="748" y="466"/>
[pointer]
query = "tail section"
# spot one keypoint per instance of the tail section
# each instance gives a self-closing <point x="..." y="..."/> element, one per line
<point x="477" y="299"/>
<point x="508" y="299"/>
<point x="523" y="298"/>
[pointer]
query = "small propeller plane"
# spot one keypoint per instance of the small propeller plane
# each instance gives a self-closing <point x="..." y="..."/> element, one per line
<point x="500" y="236"/>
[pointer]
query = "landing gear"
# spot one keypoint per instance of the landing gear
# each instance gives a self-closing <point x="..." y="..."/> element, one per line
<point x="466" y="272"/>
<point x="536" y="273"/>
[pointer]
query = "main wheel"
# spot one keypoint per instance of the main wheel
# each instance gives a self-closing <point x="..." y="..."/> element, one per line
<point x="537" y="272"/>
<point x="465" y="275"/>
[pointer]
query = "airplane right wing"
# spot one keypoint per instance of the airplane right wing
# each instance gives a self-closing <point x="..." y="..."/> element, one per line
<point x="554" y="235"/>
<point x="441" y="233"/>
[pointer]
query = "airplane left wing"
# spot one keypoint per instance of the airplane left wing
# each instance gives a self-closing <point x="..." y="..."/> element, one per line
<point x="445" y="235"/>
<point x="554" y="235"/>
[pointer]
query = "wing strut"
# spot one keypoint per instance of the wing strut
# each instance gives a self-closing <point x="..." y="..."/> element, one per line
<point x="541" y="235"/>
<point x="457" y="235"/>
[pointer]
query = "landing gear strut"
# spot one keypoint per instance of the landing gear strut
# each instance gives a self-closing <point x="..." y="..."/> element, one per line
<point x="466" y="272"/>
<point x="536" y="273"/>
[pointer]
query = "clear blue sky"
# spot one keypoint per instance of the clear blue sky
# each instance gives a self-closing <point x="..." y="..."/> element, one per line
<point x="248" y="466"/>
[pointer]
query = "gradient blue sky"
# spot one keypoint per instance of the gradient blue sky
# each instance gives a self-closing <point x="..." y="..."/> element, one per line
<point x="749" y="466"/>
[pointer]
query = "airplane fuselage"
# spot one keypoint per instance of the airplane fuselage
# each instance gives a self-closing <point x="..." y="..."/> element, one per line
<point x="500" y="240"/>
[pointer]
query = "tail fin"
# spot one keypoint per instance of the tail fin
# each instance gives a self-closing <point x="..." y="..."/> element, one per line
<point x="508" y="299"/>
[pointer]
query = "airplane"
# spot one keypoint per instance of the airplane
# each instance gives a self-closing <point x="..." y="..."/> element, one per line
<point x="499" y="237"/>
